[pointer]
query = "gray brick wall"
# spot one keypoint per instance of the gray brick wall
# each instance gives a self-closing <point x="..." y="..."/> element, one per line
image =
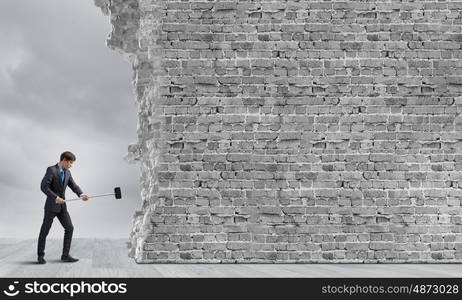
<point x="295" y="131"/>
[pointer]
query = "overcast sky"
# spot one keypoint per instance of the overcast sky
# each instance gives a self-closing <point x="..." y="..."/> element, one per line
<point x="62" y="89"/>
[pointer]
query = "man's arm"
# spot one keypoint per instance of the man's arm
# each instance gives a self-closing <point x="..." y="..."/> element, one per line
<point x="74" y="187"/>
<point x="45" y="184"/>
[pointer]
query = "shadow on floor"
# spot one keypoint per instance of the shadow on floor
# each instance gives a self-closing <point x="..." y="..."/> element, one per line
<point x="29" y="262"/>
<point x="34" y="262"/>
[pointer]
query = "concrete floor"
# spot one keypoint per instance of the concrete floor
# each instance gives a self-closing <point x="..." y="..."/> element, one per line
<point x="108" y="258"/>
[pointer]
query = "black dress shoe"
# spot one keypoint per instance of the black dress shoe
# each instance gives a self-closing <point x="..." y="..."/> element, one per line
<point x="41" y="260"/>
<point x="68" y="258"/>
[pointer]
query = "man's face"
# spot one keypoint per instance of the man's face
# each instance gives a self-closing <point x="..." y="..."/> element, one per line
<point x="66" y="164"/>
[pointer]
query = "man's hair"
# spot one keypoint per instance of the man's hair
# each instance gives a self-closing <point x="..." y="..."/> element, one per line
<point x="67" y="156"/>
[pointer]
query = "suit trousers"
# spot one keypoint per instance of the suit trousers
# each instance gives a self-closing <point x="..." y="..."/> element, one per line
<point x="66" y="222"/>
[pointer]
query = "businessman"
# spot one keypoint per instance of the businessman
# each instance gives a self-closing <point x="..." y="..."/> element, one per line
<point x="54" y="184"/>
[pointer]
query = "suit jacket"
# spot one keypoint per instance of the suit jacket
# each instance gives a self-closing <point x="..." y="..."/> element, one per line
<point x="53" y="187"/>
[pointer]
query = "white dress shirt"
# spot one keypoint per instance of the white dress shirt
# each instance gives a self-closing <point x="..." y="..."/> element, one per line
<point x="60" y="169"/>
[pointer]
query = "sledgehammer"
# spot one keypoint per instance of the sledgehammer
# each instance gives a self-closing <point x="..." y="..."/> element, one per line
<point x="117" y="193"/>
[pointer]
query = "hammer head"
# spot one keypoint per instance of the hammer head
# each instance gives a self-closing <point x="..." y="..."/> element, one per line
<point x="117" y="193"/>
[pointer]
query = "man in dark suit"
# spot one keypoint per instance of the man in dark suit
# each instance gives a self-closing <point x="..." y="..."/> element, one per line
<point x="54" y="184"/>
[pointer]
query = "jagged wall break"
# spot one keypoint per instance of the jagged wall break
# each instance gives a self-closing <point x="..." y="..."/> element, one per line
<point x="295" y="131"/>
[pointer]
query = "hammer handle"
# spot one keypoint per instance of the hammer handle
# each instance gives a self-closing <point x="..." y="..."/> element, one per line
<point x="90" y="197"/>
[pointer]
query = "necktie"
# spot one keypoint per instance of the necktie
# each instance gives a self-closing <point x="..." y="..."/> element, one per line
<point x="62" y="176"/>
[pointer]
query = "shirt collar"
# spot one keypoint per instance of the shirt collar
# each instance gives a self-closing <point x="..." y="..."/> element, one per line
<point x="60" y="168"/>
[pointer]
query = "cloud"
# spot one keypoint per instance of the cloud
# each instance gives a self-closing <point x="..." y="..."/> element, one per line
<point x="57" y="62"/>
<point x="62" y="89"/>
